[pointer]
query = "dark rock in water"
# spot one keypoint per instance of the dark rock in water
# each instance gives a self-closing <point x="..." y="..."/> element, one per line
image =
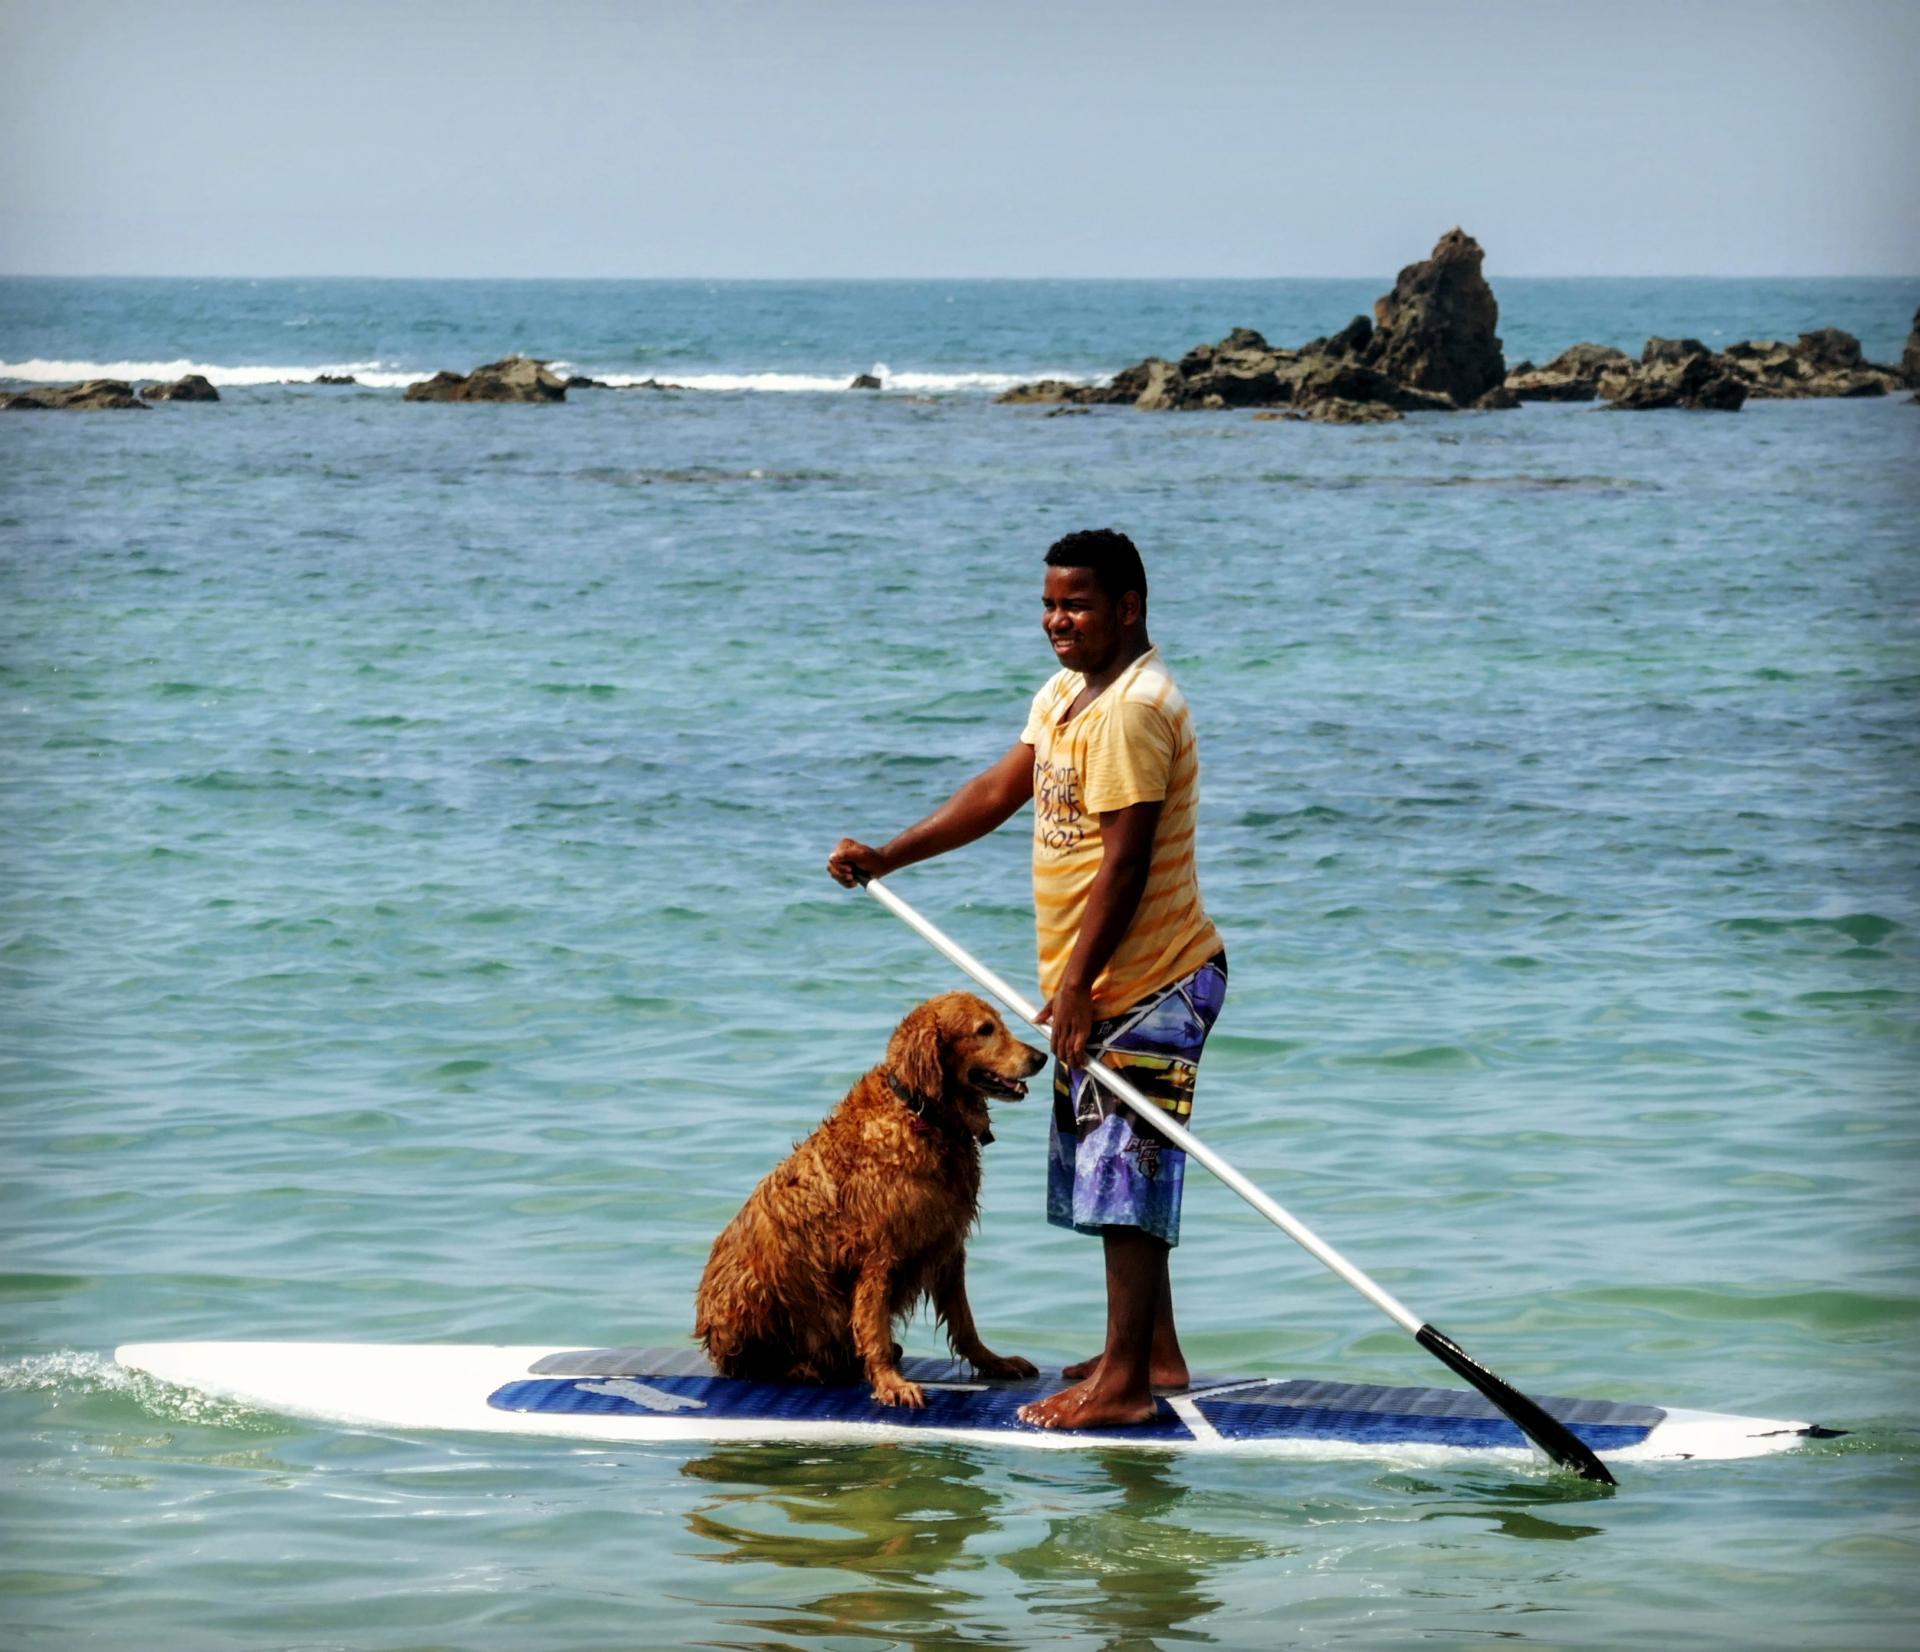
<point x="1348" y="381"/>
<point x="1334" y="410"/>
<point x="1910" y="357"/>
<point x="89" y="396"/>
<point x="863" y="381"/>
<point x="1042" y="390"/>
<point x="1069" y="413"/>
<point x="1575" y="375"/>
<point x="1830" y="350"/>
<point x="1352" y="339"/>
<point x="1824" y="363"/>
<point x="1436" y="330"/>
<point x="512" y="379"/>
<point x="1670" y="352"/>
<point x="580" y="381"/>
<point x="655" y="384"/>
<point x="193" y="388"/>
<point x="1497" y="400"/>
<point x="1699" y="381"/>
<point x="336" y="378"/>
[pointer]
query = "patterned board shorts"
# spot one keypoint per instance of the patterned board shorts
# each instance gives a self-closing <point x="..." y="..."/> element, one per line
<point x="1105" y="1167"/>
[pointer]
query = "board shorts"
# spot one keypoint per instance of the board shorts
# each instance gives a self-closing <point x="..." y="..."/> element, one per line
<point x="1105" y="1166"/>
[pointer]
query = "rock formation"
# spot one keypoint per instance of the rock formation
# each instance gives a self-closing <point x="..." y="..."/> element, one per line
<point x="1429" y="347"/>
<point x="863" y="381"/>
<point x="512" y="379"/>
<point x="193" y="388"/>
<point x="1577" y="374"/>
<point x="1436" y="329"/>
<point x="1910" y="357"/>
<point x="89" y="396"/>
<point x="1678" y="373"/>
<point x="580" y="381"/>
<point x="335" y="378"/>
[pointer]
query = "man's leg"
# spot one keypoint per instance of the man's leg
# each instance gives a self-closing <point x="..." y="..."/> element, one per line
<point x="1166" y="1364"/>
<point x="1119" y="1392"/>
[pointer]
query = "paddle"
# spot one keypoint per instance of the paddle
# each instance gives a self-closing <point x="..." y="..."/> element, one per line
<point x="1554" y="1438"/>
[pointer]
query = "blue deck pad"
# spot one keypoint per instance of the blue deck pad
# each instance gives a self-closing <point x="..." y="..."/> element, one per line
<point x="704" y="1397"/>
<point x="1362" y="1412"/>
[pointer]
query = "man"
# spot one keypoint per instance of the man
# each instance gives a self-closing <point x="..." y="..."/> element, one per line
<point x="1131" y="966"/>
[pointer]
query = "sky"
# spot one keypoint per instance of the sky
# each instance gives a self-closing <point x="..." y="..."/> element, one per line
<point x="854" y="138"/>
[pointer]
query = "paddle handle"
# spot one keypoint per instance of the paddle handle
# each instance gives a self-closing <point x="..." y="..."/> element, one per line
<point x="1160" y="1119"/>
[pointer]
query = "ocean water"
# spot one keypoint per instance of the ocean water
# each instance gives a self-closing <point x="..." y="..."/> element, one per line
<point x="415" y="929"/>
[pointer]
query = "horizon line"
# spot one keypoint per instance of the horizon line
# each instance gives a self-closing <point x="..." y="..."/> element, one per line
<point x="1508" y="275"/>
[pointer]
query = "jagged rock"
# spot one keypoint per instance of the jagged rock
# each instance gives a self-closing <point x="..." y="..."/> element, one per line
<point x="511" y="379"/>
<point x="193" y="388"/>
<point x="1910" y="357"/>
<point x="89" y="396"/>
<point x="1823" y="363"/>
<point x="1334" y="410"/>
<point x="1041" y="390"/>
<point x="336" y="378"/>
<point x="1338" y="410"/>
<point x="1069" y="413"/>
<point x="1830" y="350"/>
<point x="1156" y="384"/>
<point x="863" y="381"/>
<point x="1436" y="330"/>
<point x="1575" y="375"/>
<point x="1348" y="381"/>
<point x="1497" y="400"/>
<point x="1670" y="377"/>
<point x="654" y="384"/>
<point x="580" y="381"/>
<point x="1352" y="340"/>
<point x="1671" y="352"/>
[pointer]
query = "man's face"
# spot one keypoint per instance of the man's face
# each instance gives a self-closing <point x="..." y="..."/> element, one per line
<point x="1084" y="624"/>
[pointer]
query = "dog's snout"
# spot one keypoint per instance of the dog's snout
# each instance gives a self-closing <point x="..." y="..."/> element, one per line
<point x="1036" y="1059"/>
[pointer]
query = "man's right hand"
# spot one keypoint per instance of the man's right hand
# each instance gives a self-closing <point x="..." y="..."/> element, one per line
<point x="850" y="858"/>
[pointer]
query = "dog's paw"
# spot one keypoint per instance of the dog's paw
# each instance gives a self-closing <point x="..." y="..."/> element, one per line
<point x="1005" y="1366"/>
<point x="894" y="1389"/>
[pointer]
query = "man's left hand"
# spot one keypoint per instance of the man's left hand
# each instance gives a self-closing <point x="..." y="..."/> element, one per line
<point x="1070" y="1013"/>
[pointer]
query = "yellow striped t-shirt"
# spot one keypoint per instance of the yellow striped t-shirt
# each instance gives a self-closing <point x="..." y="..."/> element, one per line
<point x="1134" y="744"/>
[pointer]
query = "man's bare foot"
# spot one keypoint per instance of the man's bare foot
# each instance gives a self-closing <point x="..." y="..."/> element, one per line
<point x="1087" y="1405"/>
<point x="1172" y="1377"/>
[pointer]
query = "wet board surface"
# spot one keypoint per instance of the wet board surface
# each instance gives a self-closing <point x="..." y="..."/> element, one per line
<point x="670" y="1395"/>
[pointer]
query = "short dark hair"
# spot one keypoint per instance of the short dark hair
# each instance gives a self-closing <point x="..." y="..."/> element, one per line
<point x="1111" y="555"/>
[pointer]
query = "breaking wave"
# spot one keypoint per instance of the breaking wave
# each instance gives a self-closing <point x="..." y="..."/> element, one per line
<point x="71" y="1374"/>
<point x="378" y="374"/>
<point x="381" y="375"/>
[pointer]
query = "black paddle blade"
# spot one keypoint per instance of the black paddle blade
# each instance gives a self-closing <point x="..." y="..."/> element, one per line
<point x="1554" y="1438"/>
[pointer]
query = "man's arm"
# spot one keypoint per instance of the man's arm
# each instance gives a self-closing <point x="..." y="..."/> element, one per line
<point x="1126" y="856"/>
<point x="989" y="799"/>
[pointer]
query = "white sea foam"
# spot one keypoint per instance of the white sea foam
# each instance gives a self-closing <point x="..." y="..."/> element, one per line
<point x="379" y="374"/>
<point x="382" y="375"/>
<point x="920" y="383"/>
<point x="73" y="1373"/>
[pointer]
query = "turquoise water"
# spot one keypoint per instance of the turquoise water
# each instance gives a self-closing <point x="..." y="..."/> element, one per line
<point x="415" y="930"/>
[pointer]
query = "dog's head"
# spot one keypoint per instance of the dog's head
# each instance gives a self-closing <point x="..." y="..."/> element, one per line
<point x="955" y="1053"/>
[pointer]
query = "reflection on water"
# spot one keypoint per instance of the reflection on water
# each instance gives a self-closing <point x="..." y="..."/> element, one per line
<point x="1102" y="1545"/>
<point x="1507" y="1506"/>
<point x="884" y="1520"/>
<point x="1131" y="1569"/>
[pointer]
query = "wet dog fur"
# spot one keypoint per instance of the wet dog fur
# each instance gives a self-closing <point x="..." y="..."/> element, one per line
<point x="870" y="1214"/>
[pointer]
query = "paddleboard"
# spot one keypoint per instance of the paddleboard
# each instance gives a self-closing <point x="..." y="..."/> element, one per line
<point x="655" y="1395"/>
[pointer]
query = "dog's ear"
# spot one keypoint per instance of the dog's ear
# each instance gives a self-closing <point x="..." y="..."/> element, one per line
<point x="914" y="1054"/>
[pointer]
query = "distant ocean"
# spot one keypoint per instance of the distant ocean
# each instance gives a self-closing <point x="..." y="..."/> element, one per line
<point x="413" y="927"/>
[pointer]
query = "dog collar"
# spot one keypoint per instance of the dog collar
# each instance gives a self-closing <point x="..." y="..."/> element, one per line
<point x="916" y="1106"/>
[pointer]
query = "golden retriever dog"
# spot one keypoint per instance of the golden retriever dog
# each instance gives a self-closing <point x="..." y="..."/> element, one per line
<point x="869" y="1214"/>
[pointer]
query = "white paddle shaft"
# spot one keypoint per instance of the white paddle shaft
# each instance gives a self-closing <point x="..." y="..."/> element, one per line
<point x="1161" y="1120"/>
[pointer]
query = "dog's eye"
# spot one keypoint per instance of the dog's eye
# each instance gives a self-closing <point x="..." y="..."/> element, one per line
<point x="984" y="1030"/>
